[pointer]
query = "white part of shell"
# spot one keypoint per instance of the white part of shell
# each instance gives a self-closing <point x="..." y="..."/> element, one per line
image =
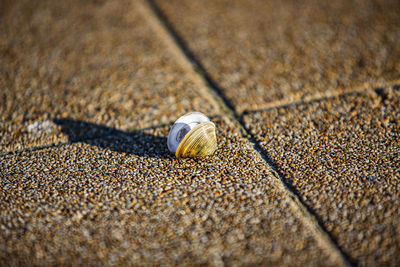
<point x="182" y="126"/>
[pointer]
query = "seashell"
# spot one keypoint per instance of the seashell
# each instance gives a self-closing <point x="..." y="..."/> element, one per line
<point x="192" y="135"/>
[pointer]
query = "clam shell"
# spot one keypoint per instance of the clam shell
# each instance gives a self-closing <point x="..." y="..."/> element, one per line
<point x="198" y="142"/>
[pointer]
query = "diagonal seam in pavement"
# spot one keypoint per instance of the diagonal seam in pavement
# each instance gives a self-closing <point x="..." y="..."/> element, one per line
<point x="211" y="91"/>
<point x="277" y="105"/>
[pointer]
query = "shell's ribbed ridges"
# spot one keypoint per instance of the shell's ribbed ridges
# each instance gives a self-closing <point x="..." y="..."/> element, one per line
<point x="199" y="142"/>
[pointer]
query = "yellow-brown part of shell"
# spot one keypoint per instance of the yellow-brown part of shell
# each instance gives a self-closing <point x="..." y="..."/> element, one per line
<point x="199" y="142"/>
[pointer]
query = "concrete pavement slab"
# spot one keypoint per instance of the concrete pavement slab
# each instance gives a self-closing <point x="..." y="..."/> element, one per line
<point x="95" y="61"/>
<point x="124" y="199"/>
<point x="342" y="157"/>
<point x="262" y="53"/>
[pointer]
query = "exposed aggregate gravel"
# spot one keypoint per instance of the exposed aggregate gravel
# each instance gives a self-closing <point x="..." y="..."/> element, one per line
<point x="124" y="199"/>
<point x="98" y="85"/>
<point x="342" y="156"/>
<point x="94" y="61"/>
<point x="260" y="52"/>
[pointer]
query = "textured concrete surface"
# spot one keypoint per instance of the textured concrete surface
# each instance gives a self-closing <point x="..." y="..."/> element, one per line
<point x="88" y="60"/>
<point x="89" y="90"/>
<point x="123" y="199"/>
<point x="263" y="52"/>
<point x="342" y="156"/>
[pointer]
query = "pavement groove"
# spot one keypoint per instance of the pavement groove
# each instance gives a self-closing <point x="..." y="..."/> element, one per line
<point x="258" y="52"/>
<point x="118" y="210"/>
<point x="262" y="52"/>
<point x="342" y="156"/>
<point x="320" y="97"/>
<point x="70" y="69"/>
<point x="170" y="40"/>
<point x="120" y="162"/>
<point x="298" y="206"/>
<point x="120" y="197"/>
<point x="377" y="90"/>
<point x="30" y="149"/>
<point x="184" y="55"/>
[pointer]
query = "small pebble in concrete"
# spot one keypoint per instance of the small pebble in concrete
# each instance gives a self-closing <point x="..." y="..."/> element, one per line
<point x="41" y="127"/>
